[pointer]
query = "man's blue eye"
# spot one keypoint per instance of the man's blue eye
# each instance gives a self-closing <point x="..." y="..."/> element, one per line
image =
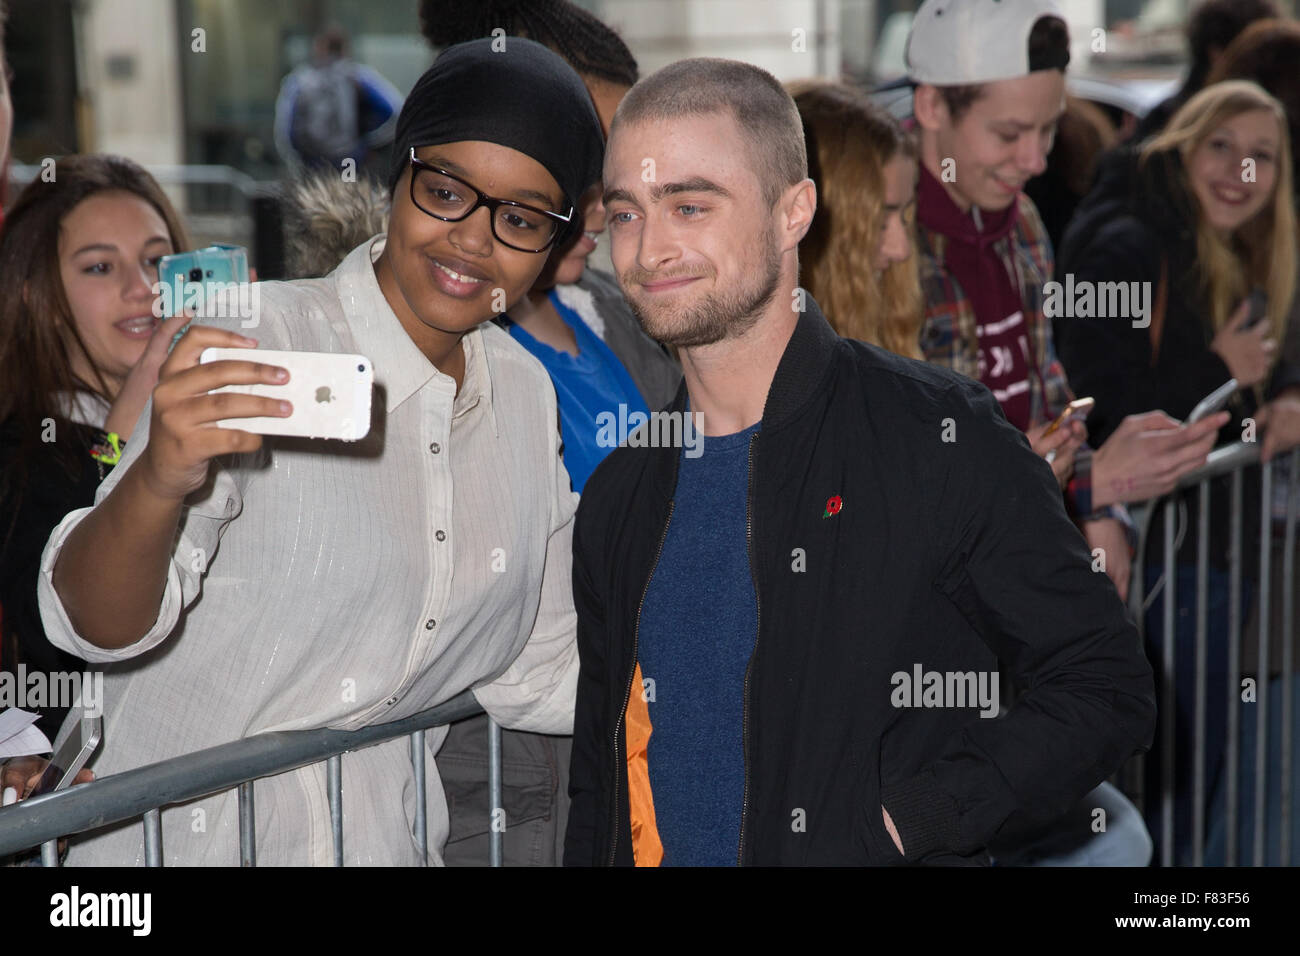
<point x="685" y="209"/>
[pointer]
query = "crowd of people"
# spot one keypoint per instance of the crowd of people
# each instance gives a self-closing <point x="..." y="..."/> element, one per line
<point x="696" y="657"/>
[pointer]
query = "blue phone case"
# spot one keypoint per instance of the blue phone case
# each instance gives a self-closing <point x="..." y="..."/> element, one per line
<point x="216" y="263"/>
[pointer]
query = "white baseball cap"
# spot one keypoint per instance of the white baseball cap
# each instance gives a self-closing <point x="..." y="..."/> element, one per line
<point x="961" y="42"/>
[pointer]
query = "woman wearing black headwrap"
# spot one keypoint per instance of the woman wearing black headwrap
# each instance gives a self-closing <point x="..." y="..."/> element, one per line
<point x="467" y="134"/>
<point x="328" y="586"/>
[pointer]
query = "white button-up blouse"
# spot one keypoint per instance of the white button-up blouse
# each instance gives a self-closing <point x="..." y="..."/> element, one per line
<point x="332" y="584"/>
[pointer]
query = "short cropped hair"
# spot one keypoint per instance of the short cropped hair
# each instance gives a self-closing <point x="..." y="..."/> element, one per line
<point x="1049" y="49"/>
<point x="764" y="112"/>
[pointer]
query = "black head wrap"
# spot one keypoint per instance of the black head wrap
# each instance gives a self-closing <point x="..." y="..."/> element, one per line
<point x="519" y="95"/>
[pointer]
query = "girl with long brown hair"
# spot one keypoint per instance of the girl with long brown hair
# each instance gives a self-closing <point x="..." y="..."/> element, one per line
<point x="856" y="259"/>
<point x="80" y="350"/>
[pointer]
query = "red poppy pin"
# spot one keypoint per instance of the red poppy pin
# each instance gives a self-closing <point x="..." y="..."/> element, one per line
<point x="833" y="506"/>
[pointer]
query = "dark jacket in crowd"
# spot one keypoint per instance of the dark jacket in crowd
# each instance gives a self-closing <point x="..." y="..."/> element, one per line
<point x="949" y="550"/>
<point x="26" y="519"/>
<point x="1135" y="226"/>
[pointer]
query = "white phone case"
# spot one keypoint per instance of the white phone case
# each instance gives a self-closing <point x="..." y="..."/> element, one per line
<point x="330" y="393"/>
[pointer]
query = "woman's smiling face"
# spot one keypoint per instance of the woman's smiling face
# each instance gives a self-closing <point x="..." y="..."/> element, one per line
<point x="1233" y="171"/>
<point x="453" y="276"/>
<point x="109" y="246"/>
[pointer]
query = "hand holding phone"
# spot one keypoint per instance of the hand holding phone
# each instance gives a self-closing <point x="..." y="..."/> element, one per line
<point x="25" y="777"/>
<point x="181" y="442"/>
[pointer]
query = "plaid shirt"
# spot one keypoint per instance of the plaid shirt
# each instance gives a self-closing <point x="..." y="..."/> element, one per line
<point x="950" y="334"/>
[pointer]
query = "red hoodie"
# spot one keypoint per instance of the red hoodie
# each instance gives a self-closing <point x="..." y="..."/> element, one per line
<point x="991" y="286"/>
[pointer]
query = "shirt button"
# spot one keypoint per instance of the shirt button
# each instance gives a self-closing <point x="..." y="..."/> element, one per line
<point x="435" y="447"/>
<point x="440" y="535"/>
<point x="392" y="700"/>
<point x="430" y="624"/>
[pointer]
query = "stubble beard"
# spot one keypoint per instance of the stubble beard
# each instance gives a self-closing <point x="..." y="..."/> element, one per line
<point x="720" y="314"/>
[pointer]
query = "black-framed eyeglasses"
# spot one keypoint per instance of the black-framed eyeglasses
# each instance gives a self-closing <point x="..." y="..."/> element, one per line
<point x="444" y="196"/>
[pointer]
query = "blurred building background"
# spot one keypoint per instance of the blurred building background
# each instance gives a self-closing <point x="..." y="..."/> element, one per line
<point x="189" y="86"/>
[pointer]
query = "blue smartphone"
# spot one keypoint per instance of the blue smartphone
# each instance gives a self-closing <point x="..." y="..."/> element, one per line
<point x="218" y="263"/>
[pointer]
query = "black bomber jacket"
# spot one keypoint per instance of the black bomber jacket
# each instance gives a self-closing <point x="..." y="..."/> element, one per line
<point x="949" y="551"/>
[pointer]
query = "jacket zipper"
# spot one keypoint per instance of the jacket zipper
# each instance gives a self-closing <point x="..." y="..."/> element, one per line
<point x="749" y="547"/>
<point x="636" y="632"/>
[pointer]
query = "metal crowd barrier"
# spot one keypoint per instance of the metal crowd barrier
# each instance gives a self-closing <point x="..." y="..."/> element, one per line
<point x="1231" y="462"/>
<point x="145" y="791"/>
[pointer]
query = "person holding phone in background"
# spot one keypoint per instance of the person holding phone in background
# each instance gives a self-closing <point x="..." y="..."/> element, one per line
<point x="80" y="350"/>
<point x="1200" y="214"/>
<point x="330" y="601"/>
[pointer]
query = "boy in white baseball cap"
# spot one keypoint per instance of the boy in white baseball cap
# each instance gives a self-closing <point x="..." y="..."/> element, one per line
<point x="959" y="42"/>
<point x="988" y="89"/>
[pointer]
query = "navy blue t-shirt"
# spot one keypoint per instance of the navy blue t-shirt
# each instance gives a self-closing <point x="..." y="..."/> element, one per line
<point x="698" y="627"/>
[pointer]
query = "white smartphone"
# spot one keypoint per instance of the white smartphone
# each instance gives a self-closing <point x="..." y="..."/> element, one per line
<point x="330" y="393"/>
<point x="70" y="756"/>
<point x="1213" y="402"/>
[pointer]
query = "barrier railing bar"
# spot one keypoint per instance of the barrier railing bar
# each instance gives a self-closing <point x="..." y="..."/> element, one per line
<point x="1167" y="698"/>
<point x="334" y="775"/>
<point x="1234" y="665"/>
<point x="1261" y="699"/>
<point x="1202" y="643"/>
<point x="498" y="812"/>
<point x="247" y="826"/>
<point x="128" y="795"/>
<point x="1222" y="461"/>
<point x="421" y="796"/>
<point x="153" y="838"/>
<point x="1288" y="654"/>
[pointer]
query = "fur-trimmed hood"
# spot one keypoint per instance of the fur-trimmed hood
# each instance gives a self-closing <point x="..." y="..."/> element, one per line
<point x="326" y="217"/>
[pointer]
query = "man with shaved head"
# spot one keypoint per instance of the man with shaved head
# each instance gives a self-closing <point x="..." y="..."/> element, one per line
<point x="790" y="642"/>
